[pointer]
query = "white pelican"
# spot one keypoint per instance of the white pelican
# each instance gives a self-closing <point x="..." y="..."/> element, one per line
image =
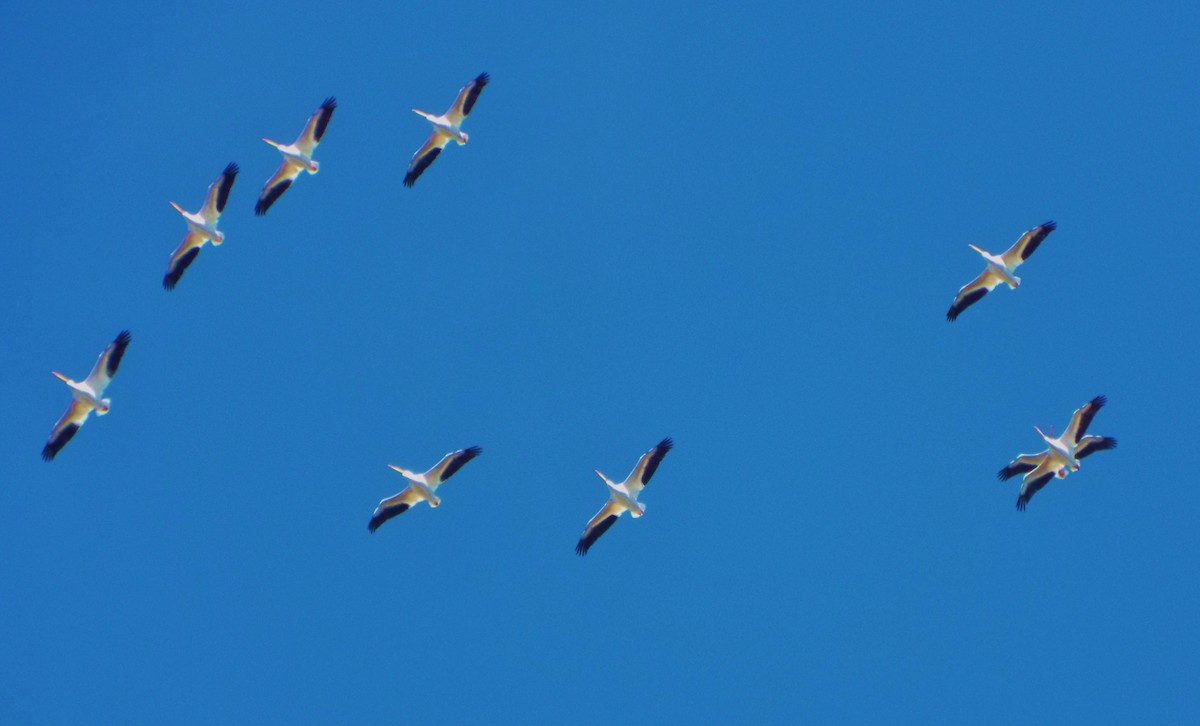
<point x="1062" y="455"/>
<point x="623" y="496"/>
<point x="202" y="226"/>
<point x="423" y="486"/>
<point x="297" y="156"/>
<point x="999" y="269"/>
<point x="445" y="128"/>
<point x="88" y="395"/>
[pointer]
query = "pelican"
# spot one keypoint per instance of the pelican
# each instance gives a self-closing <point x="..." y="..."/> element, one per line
<point x="1062" y="454"/>
<point x="202" y="226"/>
<point x="623" y="496"/>
<point x="423" y="486"/>
<point x="297" y="156"/>
<point x="999" y="269"/>
<point x="88" y="395"/>
<point x="446" y="128"/>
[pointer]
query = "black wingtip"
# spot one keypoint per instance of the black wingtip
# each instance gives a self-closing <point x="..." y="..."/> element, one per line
<point x="483" y="78"/>
<point x="48" y="453"/>
<point x="232" y="169"/>
<point x="329" y="104"/>
<point x="1004" y="474"/>
<point x="1049" y="225"/>
<point x="1021" y="502"/>
<point x="1099" y="401"/>
<point x="123" y="338"/>
<point x="666" y="444"/>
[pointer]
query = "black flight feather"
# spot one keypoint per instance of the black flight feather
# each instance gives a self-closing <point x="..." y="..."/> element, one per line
<point x="176" y="271"/>
<point x="589" y="538"/>
<point x="420" y="166"/>
<point x="967" y="301"/>
<point x="227" y="177"/>
<point x="269" y="196"/>
<point x="480" y="81"/>
<point x="384" y="515"/>
<point x="59" y="440"/>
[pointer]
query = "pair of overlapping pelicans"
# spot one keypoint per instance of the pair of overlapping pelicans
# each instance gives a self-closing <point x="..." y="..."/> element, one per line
<point x="1063" y="453"/>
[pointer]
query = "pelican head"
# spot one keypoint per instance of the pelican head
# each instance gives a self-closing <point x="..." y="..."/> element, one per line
<point x="179" y="209"/>
<point x="606" y="479"/>
<point x="61" y="377"/>
<point x="276" y="144"/>
<point x="103" y="406"/>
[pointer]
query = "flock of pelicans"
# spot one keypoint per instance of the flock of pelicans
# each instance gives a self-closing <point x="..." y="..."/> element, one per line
<point x="1061" y="456"/>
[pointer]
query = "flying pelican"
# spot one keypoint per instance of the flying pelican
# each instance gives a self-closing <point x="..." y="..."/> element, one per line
<point x="297" y="156"/>
<point x="88" y="395"/>
<point x="423" y="486"/>
<point x="445" y="128"/>
<point x="623" y="496"/>
<point x="999" y="269"/>
<point x="202" y="226"/>
<point x="1062" y="455"/>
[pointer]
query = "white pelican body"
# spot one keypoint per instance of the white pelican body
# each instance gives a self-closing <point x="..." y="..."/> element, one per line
<point x="297" y="156"/>
<point x="87" y="395"/>
<point x="446" y="128"/>
<point x="423" y="487"/>
<point x="1000" y="269"/>
<point x="1062" y="455"/>
<point x="202" y="226"/>
<point x="623" y="497"/>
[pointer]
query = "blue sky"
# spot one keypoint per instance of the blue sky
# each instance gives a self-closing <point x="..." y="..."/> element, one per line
<point x="740" y="227"/>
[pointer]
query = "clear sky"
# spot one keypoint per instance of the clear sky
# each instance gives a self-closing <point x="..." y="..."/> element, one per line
<point x="739" y="226"/>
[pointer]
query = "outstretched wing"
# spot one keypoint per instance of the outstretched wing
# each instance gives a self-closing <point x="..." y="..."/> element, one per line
<point x="1027" y="244"/>
<point x="972" y="293"/>
<point x="466" y="99"/>
<point x="1082" y="418"/>
<point x="276" y="186"/>
<point x="315" y="128"/>
<point x="451" y="463"/>
<point x="393" y="506"/>
<point x="424" y="157"/>
<point x="107" y="364"/>
<point x="183" y="256"/>
<point x="605" y="518"/>
<point x="1035" y="480"/>
<point x="218" y="194"/>
<point x="647" y="465"/>
<point x="1089" y="445"/>
<point x="1023" y="464"/>
<point x="66" y="427"/>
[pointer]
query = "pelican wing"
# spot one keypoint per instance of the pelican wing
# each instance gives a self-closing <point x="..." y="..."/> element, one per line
<point x="466" y="99"/>
<point x="183" y="256"/>
<point x="1023" y="464"/>
<point x="218" y="194"/>
<point x="449" y="464"/>
<point x="276" y="186"/>
<point x="393" y="506"/>
<point x="1035" y="480"/>
<point x="424" y="157"/>
<point x="1089" y="445"/>
<point x="605" y="518"/>
<point x="1082" y="418"/>
<point x="315" y="128"/>
<point x="972" y="292"/>
<point x="1025" y="246"/>
<point x="66" y="427"/>
<point x="647" y="465"/>
<point x="107" y="364"/>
